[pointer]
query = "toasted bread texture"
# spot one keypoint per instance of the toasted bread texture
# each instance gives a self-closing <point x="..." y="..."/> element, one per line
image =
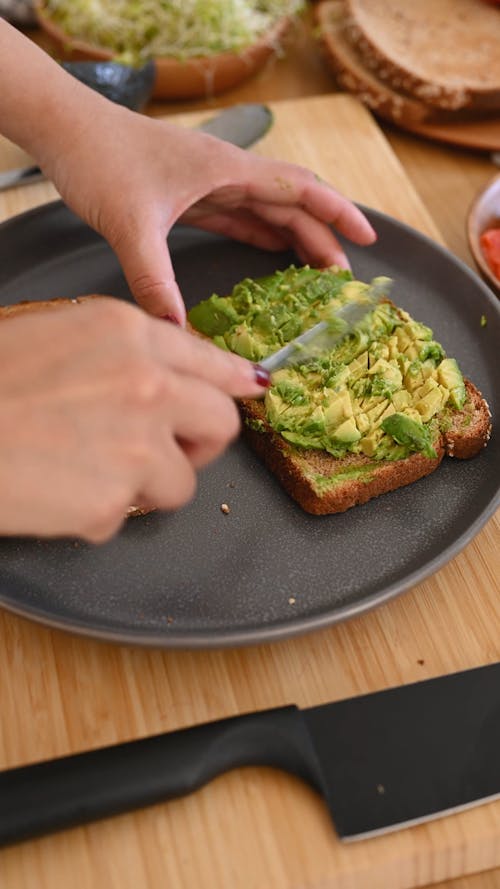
<point x="353" y="75"/>
<point x="390" y="93"/>
<point x="323" y="484"/>
<point x="444" y="53"/>
<point x="31" y="306"/>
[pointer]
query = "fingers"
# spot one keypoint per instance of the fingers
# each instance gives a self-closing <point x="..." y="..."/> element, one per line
<point x="288" y="185"/>
<point x="189" y="354"/>
<point x="313" y="240"/>
<point x="206" y="421"/>
<point x="194" y="424"/>
<point x="246" y="226"/>
<point x="146" y="263"/>
<point x="171" y="480"/>
<point x="274" y="227"/>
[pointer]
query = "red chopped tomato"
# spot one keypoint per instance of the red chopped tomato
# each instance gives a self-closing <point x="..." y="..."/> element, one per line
<point x="490" y="245"/>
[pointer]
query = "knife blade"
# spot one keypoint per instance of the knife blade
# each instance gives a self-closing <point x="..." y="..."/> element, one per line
<point x="381" y="761"/>
<point x="326" y="335"/>
<point x="242" y="125"/>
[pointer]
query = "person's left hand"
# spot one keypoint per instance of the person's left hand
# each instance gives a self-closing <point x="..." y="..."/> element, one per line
<point x="132" y="177"/>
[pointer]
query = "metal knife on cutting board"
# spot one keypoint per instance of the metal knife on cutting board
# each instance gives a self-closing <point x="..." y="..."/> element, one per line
<point x="242" y="125"/>
<point x="381" y="761"/>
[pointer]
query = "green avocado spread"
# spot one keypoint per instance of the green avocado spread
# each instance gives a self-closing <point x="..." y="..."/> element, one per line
<point x="381" y="392"/>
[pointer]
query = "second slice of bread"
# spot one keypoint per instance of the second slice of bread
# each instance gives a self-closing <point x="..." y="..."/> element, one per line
<point x="445" y="53"/>
<point x="354" y="76"/>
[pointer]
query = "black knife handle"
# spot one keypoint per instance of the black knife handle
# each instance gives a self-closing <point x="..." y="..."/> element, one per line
<point x="60" y="793"/>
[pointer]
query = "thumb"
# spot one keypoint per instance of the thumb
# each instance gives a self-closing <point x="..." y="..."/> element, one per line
<point x="148" y="269"/>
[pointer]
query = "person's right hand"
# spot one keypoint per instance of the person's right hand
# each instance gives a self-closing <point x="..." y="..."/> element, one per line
<point x="103" y="407"/>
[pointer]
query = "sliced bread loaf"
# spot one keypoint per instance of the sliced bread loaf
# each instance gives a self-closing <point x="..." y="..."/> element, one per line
<point x="353" y="75"/>
<point x="445" y="54"/>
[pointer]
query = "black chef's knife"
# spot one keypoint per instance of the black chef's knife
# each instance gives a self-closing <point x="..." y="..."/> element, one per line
<point x="381" y="761"/>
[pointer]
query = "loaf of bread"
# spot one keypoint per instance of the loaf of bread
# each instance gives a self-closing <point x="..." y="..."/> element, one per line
<point x="445" y="53"/>
<point x="415" y="62"/>
<point x="354" y="76"/>
<point x="379" y="412"/>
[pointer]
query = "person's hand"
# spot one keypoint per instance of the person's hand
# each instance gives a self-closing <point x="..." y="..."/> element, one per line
<point x="103" y="407"/>
<point x="132" y="177"/>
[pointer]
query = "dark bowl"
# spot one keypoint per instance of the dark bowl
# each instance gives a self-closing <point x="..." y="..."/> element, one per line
<point x="123" y="84"/>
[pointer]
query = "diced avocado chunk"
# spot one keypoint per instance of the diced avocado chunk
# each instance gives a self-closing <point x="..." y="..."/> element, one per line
<point x="245" y="343"/>
<point x="450" y="376"/>
<point x="338" y="409"/>
<point x="213" y="316"/>
<point x="407" y="432"/>
<point x="347" y="432"/>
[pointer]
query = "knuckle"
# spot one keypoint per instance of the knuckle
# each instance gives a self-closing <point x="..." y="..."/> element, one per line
<point x="148" y="386"/>
<point x="147" y="287"/>
<point x="107" y="515"/>
<point x="180" y="487"/>
<point x="233" y="422"/>
<point x="228" y="423"/>
<point x="119" y="317"/>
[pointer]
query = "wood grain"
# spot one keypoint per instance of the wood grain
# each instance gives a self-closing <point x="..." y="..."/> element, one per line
<point x="255" y="829"/>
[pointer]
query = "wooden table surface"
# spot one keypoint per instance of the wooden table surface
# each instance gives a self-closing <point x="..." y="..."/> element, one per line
<point x="257" y="828"/>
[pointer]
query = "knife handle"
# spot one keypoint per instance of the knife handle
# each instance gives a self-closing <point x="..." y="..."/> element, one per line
<point x="61" y="793"/>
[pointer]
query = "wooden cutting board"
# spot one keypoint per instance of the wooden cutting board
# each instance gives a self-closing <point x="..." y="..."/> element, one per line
<point x="255" y="828"/>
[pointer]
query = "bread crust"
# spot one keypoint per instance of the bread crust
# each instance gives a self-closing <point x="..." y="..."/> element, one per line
<point x="301" y="470"/>
<point x="31" y="306"/>
<point x="458" y="39"/>
<point x="352" y="74"/>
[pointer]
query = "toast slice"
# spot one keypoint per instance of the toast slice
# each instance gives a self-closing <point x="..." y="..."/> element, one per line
<point x="322" y="484"/>
<point x="347" y="468"/>
<point x="31" y="306"/>
<point x="444" y="54"/>
<point x="353" y="75"/>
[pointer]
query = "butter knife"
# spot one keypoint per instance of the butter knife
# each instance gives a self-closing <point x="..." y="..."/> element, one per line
<point x="242" y="125"/>
<point x="326" y="335"/>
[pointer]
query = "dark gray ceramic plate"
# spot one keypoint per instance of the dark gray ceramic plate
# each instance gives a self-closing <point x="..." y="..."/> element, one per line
<point x="200" y="578"/>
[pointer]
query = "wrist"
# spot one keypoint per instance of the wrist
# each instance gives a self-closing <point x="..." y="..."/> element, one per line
<point x="42" y="107"/>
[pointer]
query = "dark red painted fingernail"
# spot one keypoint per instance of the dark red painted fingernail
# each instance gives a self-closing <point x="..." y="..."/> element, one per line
<point x="262" y="376"/>
<point x="172" y="319"/>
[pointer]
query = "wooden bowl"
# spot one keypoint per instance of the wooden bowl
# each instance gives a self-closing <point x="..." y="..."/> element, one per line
<point x="484" y="213"/>
<point x="191" y="78"/>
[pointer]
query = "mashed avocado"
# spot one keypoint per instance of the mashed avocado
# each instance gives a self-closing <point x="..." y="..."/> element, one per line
<point x="381" y="392"/>
<point x="264" y="314"/>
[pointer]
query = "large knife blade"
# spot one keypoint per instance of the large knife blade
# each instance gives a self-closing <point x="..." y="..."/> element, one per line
<point x="242" y="125"/>
<point x="381" y="761"/>
<point x="326" y="335"/>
